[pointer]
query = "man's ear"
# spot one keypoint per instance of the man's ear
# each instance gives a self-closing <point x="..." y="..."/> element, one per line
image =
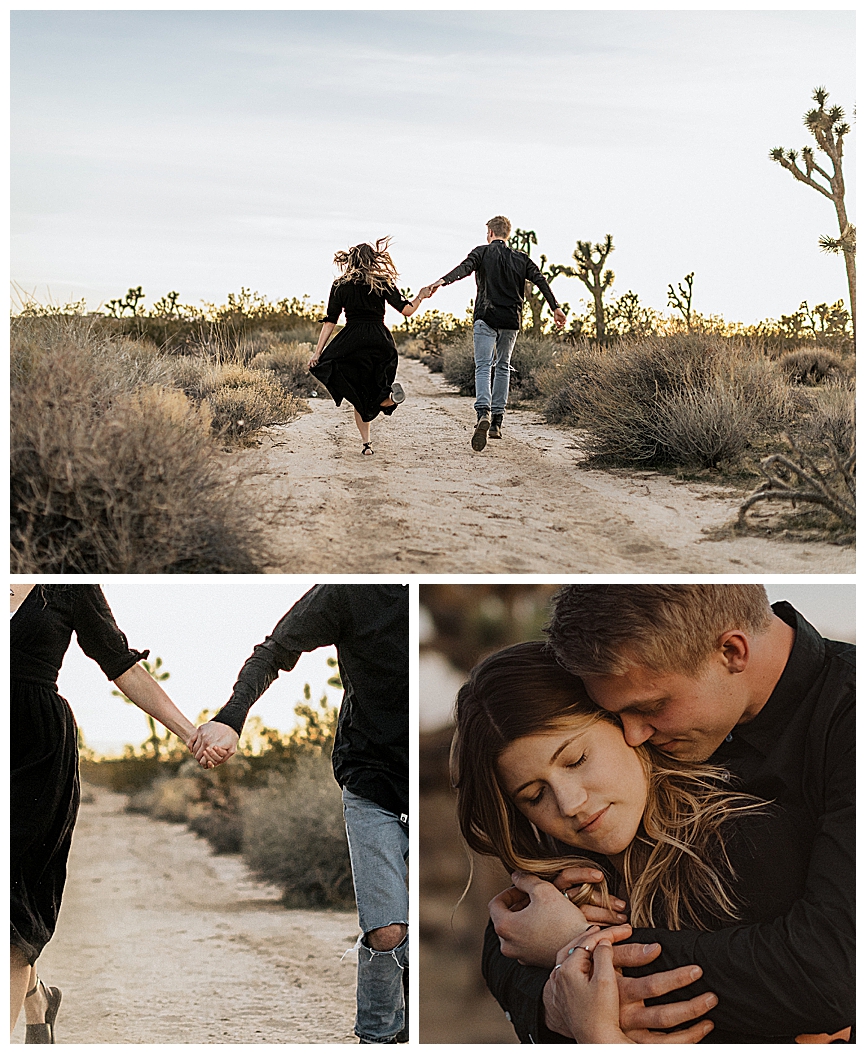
<point x="734" y="645"/>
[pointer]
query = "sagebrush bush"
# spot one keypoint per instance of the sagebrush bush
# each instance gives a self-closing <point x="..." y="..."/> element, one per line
<point x="689" y="399"/>
<point x="831" y="417"/>
<point x="294" y="836"/>
<point x="288" y="363"/>
<point x="812" y="366"/>
<point x="112" y="472"/>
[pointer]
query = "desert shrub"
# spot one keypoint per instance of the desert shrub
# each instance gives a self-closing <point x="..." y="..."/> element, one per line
<point x="293" y="836"/>
<point x="240" y="399"/>
<point x="243" y="407"/>
<point x="811" y="366"/>
<point x="690" y="399"/>
<point x="561" y="381"/>
<point x="110" y="471"/>
<point x="830" y="417"/>
<point x="288" y="363"/>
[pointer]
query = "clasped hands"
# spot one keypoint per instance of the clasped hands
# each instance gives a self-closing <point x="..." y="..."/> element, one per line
<point x="213" y="743"/>
<point x="537" y="925"/>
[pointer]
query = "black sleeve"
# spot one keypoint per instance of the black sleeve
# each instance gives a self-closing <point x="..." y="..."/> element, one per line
<point x="534" y="275"/>
<point x="335" y="304"/>
<point x="518" y="990"/>
<point x="98" y="634"/>
<point x="795" y="973"/>
<point x="469" y="265"/>
<point x="314" y="622"/>
<point x="395" y="298"/>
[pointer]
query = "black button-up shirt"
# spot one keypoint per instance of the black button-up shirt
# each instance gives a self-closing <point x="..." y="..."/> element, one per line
<point x="369" y="624"/>
<point x="501" y="275"/>
<point x="788" y="968"/>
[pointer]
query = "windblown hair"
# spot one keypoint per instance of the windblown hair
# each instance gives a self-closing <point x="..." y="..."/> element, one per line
<point x="367" y="265"/>
<point x="677" y="872"/>
<point x="606" y="629"/>
<point x="499" y="226"/>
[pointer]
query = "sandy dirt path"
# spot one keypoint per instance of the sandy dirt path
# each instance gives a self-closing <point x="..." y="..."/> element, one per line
<point x="426" y="504"/>
<point x="159" y="941"/>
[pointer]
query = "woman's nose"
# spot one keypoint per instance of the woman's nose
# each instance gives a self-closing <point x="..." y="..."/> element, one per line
<point x="570" y="798"/>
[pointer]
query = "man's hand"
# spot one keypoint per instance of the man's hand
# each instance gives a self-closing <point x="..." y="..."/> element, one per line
<point x="594" y="910"/>
<point x="213" y="743"/>
<point x="636" y="1019"/>
<point x="533" y="920"/>
<point x="559" y="318"/>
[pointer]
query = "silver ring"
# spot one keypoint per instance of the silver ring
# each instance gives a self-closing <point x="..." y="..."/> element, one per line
<point x="558" y="966"/>
<point x="565" y="894"/>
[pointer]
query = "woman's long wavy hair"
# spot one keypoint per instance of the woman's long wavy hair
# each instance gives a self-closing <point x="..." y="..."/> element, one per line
<point x="677" y="872"/>
<point x="367" y="265"/>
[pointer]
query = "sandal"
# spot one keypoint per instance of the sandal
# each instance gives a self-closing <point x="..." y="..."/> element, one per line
<point x="43" y="1032"/>
<point x="366" y="449"/>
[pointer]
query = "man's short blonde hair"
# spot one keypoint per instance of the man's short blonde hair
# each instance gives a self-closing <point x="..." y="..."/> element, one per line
<point x="499" y="226"/>
<point x="607" y="629"/>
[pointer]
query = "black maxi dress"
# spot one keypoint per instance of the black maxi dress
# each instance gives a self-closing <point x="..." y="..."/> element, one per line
<point x="44" y="749"/>
<point x="360" y="363"/>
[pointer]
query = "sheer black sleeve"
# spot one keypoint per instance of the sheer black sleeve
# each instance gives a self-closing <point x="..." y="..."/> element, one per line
<point x="395" y="298"/>
<point x="98" y="634"/>
<point x="335" y="304"/>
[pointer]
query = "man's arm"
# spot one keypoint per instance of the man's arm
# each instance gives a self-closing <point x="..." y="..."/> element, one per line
<point x="534" y="275"/>
<point x="314" y="622"/>
<point x="462" y="270"/>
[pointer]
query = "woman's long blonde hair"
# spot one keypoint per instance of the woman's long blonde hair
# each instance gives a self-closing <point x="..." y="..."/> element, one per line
<point x="677" y="872"/>
<point x="367" y="265"/>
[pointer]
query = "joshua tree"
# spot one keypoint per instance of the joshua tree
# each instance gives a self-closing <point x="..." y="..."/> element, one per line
<point x="130" y="302"/>
<point x="682" y="300"/>
<point x="828" y="128"/>
<point x="589" y="272"/>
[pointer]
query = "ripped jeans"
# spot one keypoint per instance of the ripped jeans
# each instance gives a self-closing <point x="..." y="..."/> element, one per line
<point x="379" y="851"/>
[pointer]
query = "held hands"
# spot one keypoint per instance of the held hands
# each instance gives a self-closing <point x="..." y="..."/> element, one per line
<point x="584" y="993"/>
<point x="532" y="918"/>
<point x="427" y="291"/>
<point x="637" y="1020"/>
<point x="213" y="743"/>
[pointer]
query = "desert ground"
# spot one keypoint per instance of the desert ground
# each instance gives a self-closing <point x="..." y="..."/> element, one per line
<point x="425" y="503"/>
<point x="159" y="941"/>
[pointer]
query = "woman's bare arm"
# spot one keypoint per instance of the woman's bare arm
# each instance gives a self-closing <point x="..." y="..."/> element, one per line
<point x="137" y="685"/>
<point x="327" y="330"/>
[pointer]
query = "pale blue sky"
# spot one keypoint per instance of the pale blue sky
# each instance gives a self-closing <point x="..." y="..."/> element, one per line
<point x="203" y="633"/>
<point x="205" y="150"/>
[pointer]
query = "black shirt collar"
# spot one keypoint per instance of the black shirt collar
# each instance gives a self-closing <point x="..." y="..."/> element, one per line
<point x="803" y="666"/>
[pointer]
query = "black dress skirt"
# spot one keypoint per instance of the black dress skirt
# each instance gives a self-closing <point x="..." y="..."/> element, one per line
<point x="360" y="363"/>
<point x="44" y="790"/>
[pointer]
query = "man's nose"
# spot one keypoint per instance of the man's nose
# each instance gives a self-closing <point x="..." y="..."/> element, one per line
<point x="635" y="729"/>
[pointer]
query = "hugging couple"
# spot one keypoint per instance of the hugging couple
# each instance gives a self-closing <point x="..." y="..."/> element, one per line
<point x="670" y="780"/>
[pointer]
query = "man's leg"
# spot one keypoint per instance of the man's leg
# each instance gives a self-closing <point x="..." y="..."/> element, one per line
<point x="505" y="341"/>
<point x="484" y="340"/>
<point x="379" y="851"/>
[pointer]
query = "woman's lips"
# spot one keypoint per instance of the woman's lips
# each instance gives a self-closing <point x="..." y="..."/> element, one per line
<point x="593" y="822"/>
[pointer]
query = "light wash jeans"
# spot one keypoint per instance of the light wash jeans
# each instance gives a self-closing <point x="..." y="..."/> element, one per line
<point x="492" y="344"/>
<point x="379" y="851"/>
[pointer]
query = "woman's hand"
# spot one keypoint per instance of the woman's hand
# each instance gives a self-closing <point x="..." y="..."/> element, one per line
<point x="533" y="918"/>
<point x="585" y="993"/>
<point x="313" y="361"/>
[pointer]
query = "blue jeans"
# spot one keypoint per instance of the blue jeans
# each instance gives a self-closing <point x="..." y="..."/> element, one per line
<point x="379" y="851"/>
<point x="492" y="344"/>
